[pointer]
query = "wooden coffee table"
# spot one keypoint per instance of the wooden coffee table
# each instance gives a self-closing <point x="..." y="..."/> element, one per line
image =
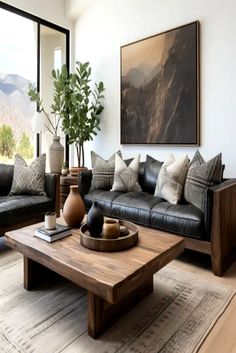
<point x="115" y="280"/>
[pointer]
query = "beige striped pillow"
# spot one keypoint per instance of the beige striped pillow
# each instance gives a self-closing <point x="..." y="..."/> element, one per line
<point x="103" y="171"/>
<point x="201" y="174"/>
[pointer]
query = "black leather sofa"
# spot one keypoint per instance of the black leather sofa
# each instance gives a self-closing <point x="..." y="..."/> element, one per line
<point x="20" y="210"/>
<point x="212" y="232"/>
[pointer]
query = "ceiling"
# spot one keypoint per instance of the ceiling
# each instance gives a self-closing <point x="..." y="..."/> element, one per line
<point x="74" y="8"/>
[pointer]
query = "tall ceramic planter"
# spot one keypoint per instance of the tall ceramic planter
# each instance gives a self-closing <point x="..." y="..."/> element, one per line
<point x="56" y="155"/>
<point x="74" y="210"/>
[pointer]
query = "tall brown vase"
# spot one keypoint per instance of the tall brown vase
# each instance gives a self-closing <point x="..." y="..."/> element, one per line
<point x="73" y="210"/>
<point x="56" y="155"/>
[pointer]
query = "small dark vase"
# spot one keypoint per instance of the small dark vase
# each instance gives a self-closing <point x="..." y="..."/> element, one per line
<point x="95" y="220"/>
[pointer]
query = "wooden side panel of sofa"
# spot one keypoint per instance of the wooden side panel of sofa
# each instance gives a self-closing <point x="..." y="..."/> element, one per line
<point x="222" y="247"/>
<point x="223" y="232"/>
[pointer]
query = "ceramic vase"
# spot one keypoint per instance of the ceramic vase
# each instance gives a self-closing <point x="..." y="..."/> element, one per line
<point x="95" y="220"/>
<point x="111" y="229"/>
<point x="64" y="172"/>
<point x="74" y="210"/>
<point x="56" y="155"/>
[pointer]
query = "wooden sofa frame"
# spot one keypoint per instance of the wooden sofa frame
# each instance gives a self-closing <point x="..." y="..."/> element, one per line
<point x="222" y="246"/>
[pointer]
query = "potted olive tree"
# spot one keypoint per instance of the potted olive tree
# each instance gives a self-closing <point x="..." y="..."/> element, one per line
<point x="81" y="106"/>
<point x="76" y="104"/>
<point x="56" y="150"/>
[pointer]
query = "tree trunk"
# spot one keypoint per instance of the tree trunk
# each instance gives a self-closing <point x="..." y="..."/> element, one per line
<point x="80" y="155"/>
<point x="82" y="150"/>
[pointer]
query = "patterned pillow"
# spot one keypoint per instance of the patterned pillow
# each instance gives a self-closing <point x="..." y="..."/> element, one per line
<point x="126" y="177"/>
<point x="171" y="179"/>
<point x="29" y="179"/>
<point x="103" y="171"/>
<point x="201" y="174"/>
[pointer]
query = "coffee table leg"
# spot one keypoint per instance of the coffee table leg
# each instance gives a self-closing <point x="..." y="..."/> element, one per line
<point x="35" y="273"/>
<point x="102" y="314"/>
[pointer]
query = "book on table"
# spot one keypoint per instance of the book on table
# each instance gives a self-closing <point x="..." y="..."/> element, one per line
<point x="51" y="235"/>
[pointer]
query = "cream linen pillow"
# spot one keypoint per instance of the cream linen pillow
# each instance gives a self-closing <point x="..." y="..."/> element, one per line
<point x="126" y="177"/>
<point x="171" y="179"/>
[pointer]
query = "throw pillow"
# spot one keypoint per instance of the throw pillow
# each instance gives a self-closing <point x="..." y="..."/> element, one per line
<point x="29" y="179"/>
<point x="103" y="171"/>
<point x="151" y="172"/>
<point x="200" y="175"/>
<point x="126" y="177"/>
<point x="170" y="182"/>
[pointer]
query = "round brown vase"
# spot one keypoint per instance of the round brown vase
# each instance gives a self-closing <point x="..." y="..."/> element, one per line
<point x="73" y="210"/>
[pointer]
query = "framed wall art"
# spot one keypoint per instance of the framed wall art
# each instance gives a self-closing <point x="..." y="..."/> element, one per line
<point x="160" y="88"/>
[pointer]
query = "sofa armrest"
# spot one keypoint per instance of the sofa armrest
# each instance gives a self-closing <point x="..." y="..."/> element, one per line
<point x="225" y="184"/>
<point x="85" y="179"/>
<point x="223" y="229"/>
<point x="52" y="189"/>
<point x="6" y="176"/>
<point x="208" y="204"/>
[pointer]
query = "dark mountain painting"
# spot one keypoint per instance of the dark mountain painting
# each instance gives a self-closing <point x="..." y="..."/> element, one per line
<point x="159" y="94"/>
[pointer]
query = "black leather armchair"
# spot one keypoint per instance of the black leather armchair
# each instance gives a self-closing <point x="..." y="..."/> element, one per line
<point x="17" y="211"/>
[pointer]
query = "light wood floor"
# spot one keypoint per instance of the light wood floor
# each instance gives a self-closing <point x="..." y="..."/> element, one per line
<point x="222" y="338"/>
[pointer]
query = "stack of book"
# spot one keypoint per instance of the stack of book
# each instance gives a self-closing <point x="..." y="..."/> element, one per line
<point x="59" y="232"/>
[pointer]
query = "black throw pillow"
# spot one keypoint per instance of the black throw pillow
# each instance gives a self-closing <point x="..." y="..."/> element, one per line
<point x="151" y="172"/>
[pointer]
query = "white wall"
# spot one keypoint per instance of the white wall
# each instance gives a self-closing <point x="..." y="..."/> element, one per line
<point x="105" y="25"/>
<point x="50" y="10"/>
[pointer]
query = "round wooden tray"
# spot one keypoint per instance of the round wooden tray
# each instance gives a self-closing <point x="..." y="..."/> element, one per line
<point x="103" y="244"/>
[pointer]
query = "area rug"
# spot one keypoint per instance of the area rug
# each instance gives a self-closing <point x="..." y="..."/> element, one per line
<point x="175" y="318"/>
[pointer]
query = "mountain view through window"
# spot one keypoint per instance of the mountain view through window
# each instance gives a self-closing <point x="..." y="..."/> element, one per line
<point x="17" y="70"/>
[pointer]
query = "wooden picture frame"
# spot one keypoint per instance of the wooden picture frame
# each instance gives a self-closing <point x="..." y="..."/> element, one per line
<point x="160" y="88"/>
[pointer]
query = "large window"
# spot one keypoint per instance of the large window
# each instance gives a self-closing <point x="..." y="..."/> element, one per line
<point x="18" y="67"/>
<point x="30" y="49"/>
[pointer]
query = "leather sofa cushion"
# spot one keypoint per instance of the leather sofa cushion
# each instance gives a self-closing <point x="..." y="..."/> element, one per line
<point x="148" y="210"/>
<point x="50" y="185"/>
<point x="151" y="172"/>
<point x="134" y="206"/>
<point x="104" y="199"/>
<point x="14" y="209"/>
<point x="183" y="219"/>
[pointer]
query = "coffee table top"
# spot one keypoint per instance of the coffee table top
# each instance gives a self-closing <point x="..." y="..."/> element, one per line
<point x="110" y="275"/>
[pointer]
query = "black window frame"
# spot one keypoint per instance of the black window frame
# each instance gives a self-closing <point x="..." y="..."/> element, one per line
<point x="40" y="21"/>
